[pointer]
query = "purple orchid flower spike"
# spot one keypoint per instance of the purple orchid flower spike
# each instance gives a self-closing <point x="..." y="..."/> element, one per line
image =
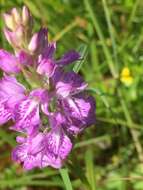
<point x="11" y="93"/>
<point x="53" y="108"/>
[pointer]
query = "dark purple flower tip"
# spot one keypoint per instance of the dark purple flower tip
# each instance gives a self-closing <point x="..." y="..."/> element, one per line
<point x="42" y="37"/>
<point x="8" y="62"/>
<point x="49" y="50"/>
<point x="68" y="58"/>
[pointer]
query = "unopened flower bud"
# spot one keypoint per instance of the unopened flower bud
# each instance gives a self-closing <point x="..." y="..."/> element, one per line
<point x="42" y="37"/>
<point x="9" y="36"/>
<point x="9" y="21"/>
<point x="25" y="15"/>
<point x="16" y="15"/>
<point x="33" y="45"/>
<point x="19" y="32"/>
<point x="15" y="39"/>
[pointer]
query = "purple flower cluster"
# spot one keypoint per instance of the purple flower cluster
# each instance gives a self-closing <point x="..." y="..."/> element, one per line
<point x="53" y="108"/>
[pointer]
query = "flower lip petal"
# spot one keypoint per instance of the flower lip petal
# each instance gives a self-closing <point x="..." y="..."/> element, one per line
<point x="69" y="84"/>
<point x="27" y="117"/>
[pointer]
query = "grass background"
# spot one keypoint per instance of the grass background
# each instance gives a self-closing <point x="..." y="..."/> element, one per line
<point x="108" y="156"/>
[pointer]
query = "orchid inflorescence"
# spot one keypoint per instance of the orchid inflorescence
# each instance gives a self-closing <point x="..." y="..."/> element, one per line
<point x="53" y="107"/>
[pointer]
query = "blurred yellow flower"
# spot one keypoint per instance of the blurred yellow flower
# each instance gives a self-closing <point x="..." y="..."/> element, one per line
<point x="126" y="76"/>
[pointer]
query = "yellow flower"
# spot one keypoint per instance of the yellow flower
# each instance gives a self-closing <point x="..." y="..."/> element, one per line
<point x="126" y="76"/>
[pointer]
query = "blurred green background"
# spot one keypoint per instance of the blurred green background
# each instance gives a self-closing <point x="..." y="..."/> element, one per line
<point x="109" y="34"/>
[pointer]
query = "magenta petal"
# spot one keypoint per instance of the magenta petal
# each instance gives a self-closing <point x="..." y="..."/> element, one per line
<point x="27" y="116"/>
<point x="81" y="110"/>
<point x="12" y="90"/>
<point x="43" y="149"/>
<point x="8" y="62"/>
<point x="46" y="67"/>
<point x="29" y="152"/>
<point x="10" y="86"/>
<point x="58" y="147"/>
<point x="69" y="84"/>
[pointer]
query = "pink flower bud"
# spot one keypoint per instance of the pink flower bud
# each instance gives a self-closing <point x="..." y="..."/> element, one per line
<point x="19" y="32"/>
<point x="10" y="37"/>
<point x="15" y="39"/>
<point x="25" y="15"/>
<point x="9" y="21"/>
<point x="33" y="45"/>
<point x="16" y="15"/>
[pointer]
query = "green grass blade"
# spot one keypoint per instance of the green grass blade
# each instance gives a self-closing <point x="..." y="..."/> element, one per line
<point x="90" y="169"/>
<point x="83" y="52"/>
<point x="66" y="179"/>
<point x="110" y="28"/>
<point x="101" y="37"/>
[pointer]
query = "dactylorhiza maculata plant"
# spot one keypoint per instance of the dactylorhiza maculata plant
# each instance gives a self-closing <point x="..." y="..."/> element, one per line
<point x="55" y="106"/>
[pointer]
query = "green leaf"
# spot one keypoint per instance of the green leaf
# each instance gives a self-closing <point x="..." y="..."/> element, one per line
<point x="66" y="179"/>
<point x="90" y="169"/>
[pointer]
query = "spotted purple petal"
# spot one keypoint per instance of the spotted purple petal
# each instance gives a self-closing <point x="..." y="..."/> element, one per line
<point x="82" y="106"/>
<point x="59" y="146"/>
<point x="70" y="83"/>
<point x="43" y="149"/>
<point x="28" y="152"/>
<point x="27" y="117"/>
